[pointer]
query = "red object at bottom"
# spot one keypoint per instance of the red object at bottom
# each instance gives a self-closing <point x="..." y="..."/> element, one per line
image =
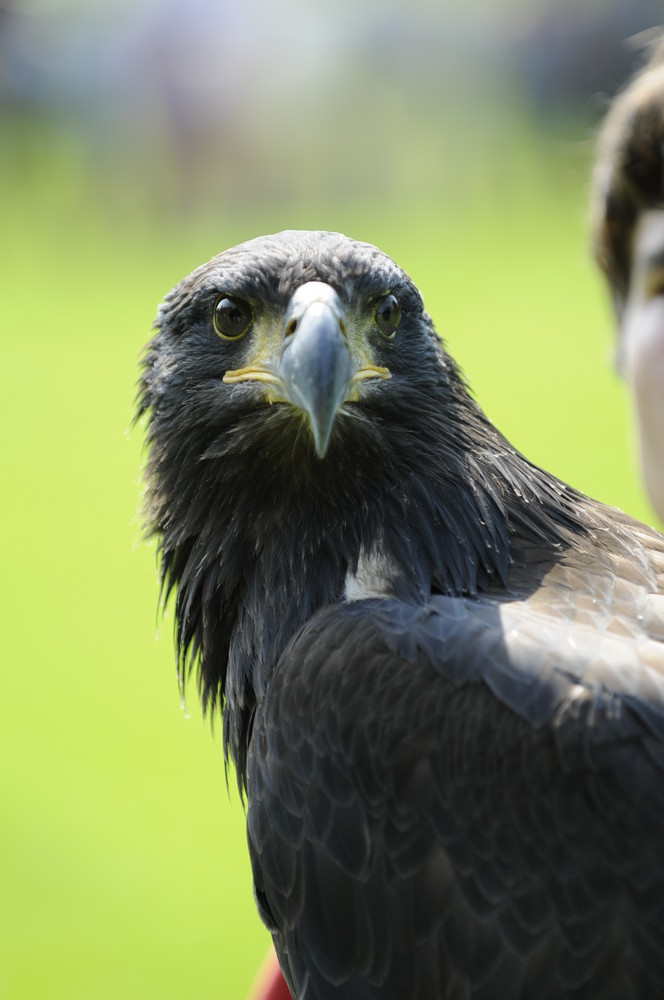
<point x="269" y="983"/>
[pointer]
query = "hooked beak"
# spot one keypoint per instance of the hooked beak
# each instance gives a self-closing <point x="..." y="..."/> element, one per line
<point x="315" y="365"/>
<point x="313" y="369"/>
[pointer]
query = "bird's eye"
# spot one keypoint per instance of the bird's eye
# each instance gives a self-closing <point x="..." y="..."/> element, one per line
<point x="232" y="317"/>
<point x="388" y="315"/>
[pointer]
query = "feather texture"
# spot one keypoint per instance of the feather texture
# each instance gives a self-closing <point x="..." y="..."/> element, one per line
<point x="441" y="670"/>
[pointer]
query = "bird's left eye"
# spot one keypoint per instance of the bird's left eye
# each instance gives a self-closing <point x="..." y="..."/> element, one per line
<point x="232" y="317"/>
<point x="388" y="315"/>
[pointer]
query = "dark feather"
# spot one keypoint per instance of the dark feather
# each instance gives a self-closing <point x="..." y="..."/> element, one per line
<point x="455" y="790"/>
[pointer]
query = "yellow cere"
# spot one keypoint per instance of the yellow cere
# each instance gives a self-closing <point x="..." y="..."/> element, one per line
<point x="266" y="345"/>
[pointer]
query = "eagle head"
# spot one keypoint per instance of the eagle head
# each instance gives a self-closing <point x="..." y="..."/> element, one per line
<point x="304" y="421"/>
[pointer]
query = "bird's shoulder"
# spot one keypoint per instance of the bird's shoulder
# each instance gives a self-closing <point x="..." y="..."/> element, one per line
<point x="590" y="620"/>
<point x="483" y="777"/>
<point x="570" y="674"/>
<point x="609" y="582"/>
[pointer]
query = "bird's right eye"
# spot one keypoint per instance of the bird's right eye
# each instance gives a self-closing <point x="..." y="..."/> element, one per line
<point x="388" y="315"/>
<point x="232" y="317"/>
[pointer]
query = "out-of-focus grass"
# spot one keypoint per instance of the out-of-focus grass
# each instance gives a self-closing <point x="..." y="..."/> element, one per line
<point x="123" y="863"/>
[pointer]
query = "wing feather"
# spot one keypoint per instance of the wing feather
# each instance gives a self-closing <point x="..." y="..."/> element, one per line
<point x="465" y="796"/>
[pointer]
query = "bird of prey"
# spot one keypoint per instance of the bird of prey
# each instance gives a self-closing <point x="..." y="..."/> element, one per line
<point x="441" y="669"/>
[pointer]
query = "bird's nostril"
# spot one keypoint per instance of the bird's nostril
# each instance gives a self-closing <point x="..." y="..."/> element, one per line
<point x="291" y="328"/>
<point x="342" y="327"/>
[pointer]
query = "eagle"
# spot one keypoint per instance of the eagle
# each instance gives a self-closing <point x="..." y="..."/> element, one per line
<point x="440" y="669"/>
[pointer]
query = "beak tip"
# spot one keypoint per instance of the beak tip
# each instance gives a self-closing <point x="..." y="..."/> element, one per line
<point x="321" y="443"/>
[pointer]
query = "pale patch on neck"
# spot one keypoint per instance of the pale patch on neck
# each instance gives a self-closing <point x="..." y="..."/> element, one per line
<point x="374" y="577"/>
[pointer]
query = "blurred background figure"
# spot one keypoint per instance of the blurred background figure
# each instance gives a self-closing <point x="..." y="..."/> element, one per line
<point x="195" y="106"/>
<point x="628" y="222"/>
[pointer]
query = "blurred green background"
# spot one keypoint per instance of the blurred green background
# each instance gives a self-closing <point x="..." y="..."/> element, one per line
<point x="137" y="140"/>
